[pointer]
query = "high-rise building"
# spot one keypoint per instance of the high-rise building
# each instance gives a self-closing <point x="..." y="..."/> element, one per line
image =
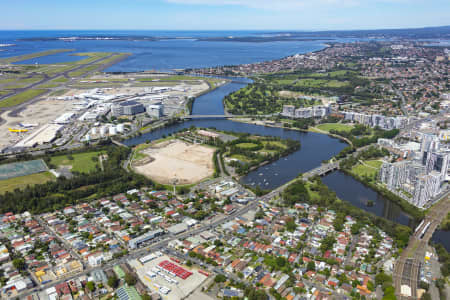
<point x="429" y="143"/>
<point x="437" y="161"/>
<point x="426" y="187"/>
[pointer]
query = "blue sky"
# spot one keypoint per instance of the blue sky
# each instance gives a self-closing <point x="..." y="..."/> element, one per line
<point x="222" y="14"/>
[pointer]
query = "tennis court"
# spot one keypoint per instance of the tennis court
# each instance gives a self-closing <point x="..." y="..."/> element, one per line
<point x="22" y="168"/>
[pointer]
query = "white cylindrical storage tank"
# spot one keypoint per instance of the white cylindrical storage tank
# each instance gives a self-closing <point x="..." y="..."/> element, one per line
<point x="94" y="130"/>
<point x="102" y="130"/>
<point x="120" y="128"/>
<point x="112" y="130"/>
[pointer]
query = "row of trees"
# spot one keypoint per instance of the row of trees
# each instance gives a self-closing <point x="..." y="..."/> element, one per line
<point x="57" y="194"/>
<point x="362" y="135"/>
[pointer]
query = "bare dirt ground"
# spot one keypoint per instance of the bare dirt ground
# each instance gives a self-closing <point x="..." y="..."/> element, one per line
<point x="176" y="159"/>
<point x="41" y="112"/>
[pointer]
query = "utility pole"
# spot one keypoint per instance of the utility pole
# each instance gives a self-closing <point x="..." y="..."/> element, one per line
<point x="174" y="182"/>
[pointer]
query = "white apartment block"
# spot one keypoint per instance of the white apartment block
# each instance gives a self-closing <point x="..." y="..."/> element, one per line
<point x="317" y="111"/>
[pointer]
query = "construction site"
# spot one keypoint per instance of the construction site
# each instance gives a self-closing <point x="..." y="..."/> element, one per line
<point x="176" y="160"/>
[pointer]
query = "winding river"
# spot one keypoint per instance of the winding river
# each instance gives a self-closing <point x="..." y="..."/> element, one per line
<point x="314" y="149"/>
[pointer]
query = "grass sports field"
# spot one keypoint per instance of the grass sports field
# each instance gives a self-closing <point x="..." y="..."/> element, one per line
<point x="22" y="181"/>
<point x="246" y="145"/>
<point x="369" y="169"/>
<point x="336" y="126"/>
<point x="81" y="162"/>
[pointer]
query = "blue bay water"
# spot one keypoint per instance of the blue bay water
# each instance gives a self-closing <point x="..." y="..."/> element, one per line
<point x="189" y="53"/>
<point x="160" y="55"/>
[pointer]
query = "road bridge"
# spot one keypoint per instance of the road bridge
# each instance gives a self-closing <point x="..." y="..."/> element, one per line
<point x="321" y="170"/>
<point x="223" y="116"/>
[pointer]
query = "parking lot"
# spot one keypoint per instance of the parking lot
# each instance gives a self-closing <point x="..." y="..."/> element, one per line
<point x="167" y="285"/>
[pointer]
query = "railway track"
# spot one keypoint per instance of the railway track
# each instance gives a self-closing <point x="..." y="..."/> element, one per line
<point x="407" y="267"/>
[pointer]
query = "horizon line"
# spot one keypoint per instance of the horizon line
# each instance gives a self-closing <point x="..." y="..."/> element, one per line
<point x="218" y="30"/>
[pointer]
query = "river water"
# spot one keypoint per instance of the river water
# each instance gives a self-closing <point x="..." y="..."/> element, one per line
<point x="171" y="54"/>
<point x="315" y="148"/>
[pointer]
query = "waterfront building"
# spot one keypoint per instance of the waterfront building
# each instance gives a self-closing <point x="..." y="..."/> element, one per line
<point x="317" y="111"/>
<point x="321" y="111"/>
<point x="303" y="113"/>
<point x="288" y="111"/>
<point x="427" y="187"/>
<point x="423" y="178"/>
<point x="348" y="115"/>
<point x="375" y="120"/>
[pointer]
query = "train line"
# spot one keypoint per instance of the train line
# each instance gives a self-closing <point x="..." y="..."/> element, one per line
<point x="407" y="267"/>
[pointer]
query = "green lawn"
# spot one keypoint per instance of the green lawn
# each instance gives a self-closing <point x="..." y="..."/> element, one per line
<point x="246" y="145"/>
<point x="336" y="126"/>
<point x="58" y="92"/>
<point x="60" y="79"/>
<point x="32" y="55"/>
<point x="313" y="194"/>
<point x="371" y="168"/>
<point x="90" y="57"/>
<point x="48" y="86"/>
<point x="212" y="81"/>
<point x="139" y="155"/>
<point x="22" y="181"/>
<point x="82" y="162"/>
<point x="84" y="70"/>
<point x="338" y="73"/>
<point x="318" y="83"/>
<point x="240" y="157"/>
<point x="21" y="97"/>
<point x="17" y="83"/>
<point x="275" y="143"/>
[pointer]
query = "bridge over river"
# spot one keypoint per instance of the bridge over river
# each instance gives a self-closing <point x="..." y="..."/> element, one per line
<point x="321" y="170"/>
<point x="223" y="116"/>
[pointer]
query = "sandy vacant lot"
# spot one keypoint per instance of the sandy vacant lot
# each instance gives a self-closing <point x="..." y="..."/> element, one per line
<point x="176" y="159"/>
